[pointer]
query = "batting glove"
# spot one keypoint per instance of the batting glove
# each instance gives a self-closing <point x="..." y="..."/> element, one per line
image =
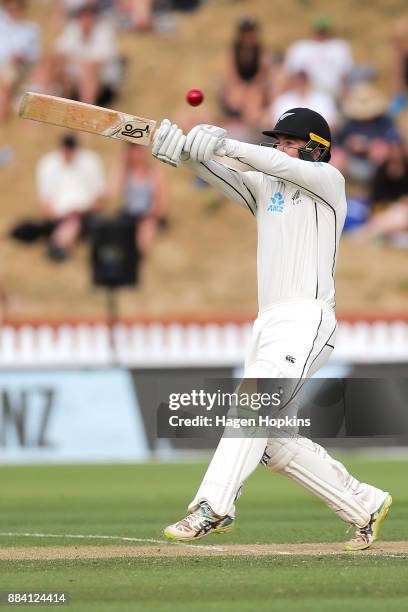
<point x="204" y="141"/>
<point x="168" y="143"/>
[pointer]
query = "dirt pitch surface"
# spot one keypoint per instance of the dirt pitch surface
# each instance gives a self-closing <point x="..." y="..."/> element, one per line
<point x="182" y="550"/>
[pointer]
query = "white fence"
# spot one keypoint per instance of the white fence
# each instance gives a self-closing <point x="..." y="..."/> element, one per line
<point x="158" y="344"/>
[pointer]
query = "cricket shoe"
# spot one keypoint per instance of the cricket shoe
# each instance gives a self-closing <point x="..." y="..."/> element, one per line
<point x="198" y="524"/>
<point x="365" y="536"/>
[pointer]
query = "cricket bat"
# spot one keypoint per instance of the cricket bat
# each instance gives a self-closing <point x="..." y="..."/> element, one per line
<point x="87" y="118"/>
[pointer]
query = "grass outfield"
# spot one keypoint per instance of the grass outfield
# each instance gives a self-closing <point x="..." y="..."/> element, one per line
<point x="137" y="501"/>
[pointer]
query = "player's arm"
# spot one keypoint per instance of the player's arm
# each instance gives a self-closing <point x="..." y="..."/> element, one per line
<point x="318" y="178"/>
<point x="168" y="146"/>
<point x="322" y="180"/>
<point x="233" y="184"/>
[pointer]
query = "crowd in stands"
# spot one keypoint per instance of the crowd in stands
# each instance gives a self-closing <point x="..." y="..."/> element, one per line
<point x="83" y="64"/>
<point x="72" y="189"/>
<point x="319" y="73"/>
<point x="257" y="85"/>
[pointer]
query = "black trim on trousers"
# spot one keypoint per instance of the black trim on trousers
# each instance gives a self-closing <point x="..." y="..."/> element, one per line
<point x="304" y="366"/>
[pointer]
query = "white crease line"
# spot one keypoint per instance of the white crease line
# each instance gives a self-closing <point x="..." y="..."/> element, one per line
<point x="152" y="541"/>
<point x="106" y="537"/>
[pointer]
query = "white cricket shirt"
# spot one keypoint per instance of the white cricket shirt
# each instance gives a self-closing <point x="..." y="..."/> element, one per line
<point x="300" y="209"/>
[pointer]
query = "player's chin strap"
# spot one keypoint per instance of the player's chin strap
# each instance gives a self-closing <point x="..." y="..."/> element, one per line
<point x="316" y="143"/>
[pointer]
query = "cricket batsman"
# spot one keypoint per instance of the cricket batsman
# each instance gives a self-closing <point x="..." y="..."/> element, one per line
<point x="299" y="203"/>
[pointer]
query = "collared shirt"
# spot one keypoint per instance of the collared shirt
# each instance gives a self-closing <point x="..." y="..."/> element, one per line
<point x="300" y="209"/>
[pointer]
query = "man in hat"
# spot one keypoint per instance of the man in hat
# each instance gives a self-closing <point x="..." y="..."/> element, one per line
<point x="365" y="138"/>
<point x="71" y="186"/>
<point x="299" y="203"/>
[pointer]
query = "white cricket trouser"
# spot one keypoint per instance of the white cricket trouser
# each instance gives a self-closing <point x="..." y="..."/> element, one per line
<point x="305" y="332"/>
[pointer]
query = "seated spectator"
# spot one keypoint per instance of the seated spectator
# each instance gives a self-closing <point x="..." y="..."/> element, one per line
<point x="326" y="59"/>
<point x="71" y="186"/>
<point x="363" y="142"/>
<point x="244" y="90"/>
<point x="389" y="193"/>
<point x="19" y="50"/>
<point x="139" y="185"/>
<point x="301" y="94"/>
<point x="390" y="225"/>
<point x="85" y="62"/>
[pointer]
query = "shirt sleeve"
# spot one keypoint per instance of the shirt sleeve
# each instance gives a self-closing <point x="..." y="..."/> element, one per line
<point x="319" y="178"/>
<point x="242" y="187"/>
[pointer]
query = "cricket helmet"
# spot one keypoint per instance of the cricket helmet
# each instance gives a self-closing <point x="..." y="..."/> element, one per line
<point x="308" y="125"/>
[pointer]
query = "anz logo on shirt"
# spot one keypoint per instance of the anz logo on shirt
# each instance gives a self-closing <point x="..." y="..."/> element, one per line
<point x="277" y="203"/>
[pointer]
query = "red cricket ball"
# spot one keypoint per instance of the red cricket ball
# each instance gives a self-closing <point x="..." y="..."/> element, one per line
<point x="194" y="97"/>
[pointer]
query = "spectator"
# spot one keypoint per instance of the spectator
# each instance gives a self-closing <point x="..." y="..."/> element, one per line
<point x="85" y="61"/>
<point x="388" y="186"/>
<point x="363" y="143"/>
<point x="19" y="50"/>
<point x="326" y="59"/>
<point x="71" y="186"/>
<point x="390" y="224"/>
<point x="389" y="191"/>
<point x="301" y="94"/>
<point x="140" y="186"/>
<point x="244" y="91"/>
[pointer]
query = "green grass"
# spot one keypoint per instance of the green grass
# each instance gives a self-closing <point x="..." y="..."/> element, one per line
<point x="139" y="500"/>
<point x="200" y="584"/>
